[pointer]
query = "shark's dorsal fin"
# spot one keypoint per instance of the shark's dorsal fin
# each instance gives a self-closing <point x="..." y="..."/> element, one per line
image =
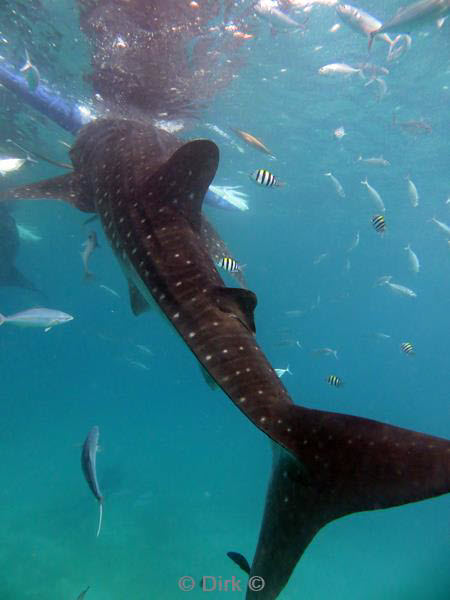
<point x="195" y="161"/>
<point x="239" y="303"/>
<point x="138" y="303"/>
<point x="67" y="188"/>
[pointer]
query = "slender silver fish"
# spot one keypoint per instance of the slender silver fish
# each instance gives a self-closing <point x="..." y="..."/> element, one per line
<point x="88" y="457"/>
<point x="89" y="246"/>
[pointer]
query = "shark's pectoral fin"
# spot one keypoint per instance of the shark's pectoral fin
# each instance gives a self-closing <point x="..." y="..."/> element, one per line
<point x="239" y="303"/>
<point x="138" y="303"/>
<point x="66" y="187"/>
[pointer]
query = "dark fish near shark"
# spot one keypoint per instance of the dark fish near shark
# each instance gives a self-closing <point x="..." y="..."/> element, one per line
<point x="9" y="248"/>
<point x="88" y="460"/>
<point x="325" y="465"/>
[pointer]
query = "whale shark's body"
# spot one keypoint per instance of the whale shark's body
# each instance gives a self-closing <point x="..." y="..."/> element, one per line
<point x="148" y="190"/>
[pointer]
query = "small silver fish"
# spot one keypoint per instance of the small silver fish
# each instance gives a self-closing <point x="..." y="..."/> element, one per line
<point x="277" y="19"/>
<point x="412" y="193"/>
<point x="401" y="289"/>
<point x="37" y="317"/>
<point x="374" y="195"/>
<point x="88" y="460"/>
<point x="414" y="264"/>
<point x="337" y="184"/>
<point x="109" y="290"/>
<point x="442" y="226"/>
<point x="375" y="161"/>
<point x="339" y="69"/>
<point x="326" y="352"/>
<point x="281" y="372"/>
<point x="89" y="246"/>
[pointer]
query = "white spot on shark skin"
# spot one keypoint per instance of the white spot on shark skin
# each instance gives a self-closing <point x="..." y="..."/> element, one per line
<point x="262" y="420"/>
<point x="260" y="392"/>
<point x="143" y="221"/>
<point x="134" y="251"/>
<point x="178" y="283"/>
<point x="215" y="323"/>
<point x="121" y="220"/>
<point x="225" y="351"/>
<point x="208" y="357"/>
<point x="162" y="297"/>
<point x="242" y="399"/>
<point x="237" y="372"/>
<point x="176" y="255"/>
<point x="176" y="316"/>
<point x="247" y="370"/>
<point x="192" y="334"/>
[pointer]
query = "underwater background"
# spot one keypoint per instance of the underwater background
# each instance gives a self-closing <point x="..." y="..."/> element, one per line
<point x="183" y="473"/>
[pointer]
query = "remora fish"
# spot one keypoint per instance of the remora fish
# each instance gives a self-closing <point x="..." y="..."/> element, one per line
<point x="88" y="459"/>
<point x="326" y="465"/>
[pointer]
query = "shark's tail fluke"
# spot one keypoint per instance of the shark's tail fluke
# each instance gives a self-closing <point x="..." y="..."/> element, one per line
<point x="338" y="464"/>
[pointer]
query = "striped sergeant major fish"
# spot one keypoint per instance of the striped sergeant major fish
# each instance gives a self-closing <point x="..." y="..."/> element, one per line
<point x="266" y="178"/>
<point x="88" y="460"/>
<point x="149" y="199"/>
<point x="334" y="381"/>
<point x="229" y="264"/>
<point x="379" y="223"/>
<point x="407" y="348"/>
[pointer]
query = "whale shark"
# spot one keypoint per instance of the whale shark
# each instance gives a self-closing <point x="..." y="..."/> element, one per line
<point x="147" y="189"/>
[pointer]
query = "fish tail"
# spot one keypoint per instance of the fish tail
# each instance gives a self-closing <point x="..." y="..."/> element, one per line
<point x="365" y="182"/>
<point x="2" y="319"/>
<point x="100" y="517"/>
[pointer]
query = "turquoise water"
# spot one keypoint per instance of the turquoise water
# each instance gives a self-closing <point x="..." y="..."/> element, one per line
<point x="183" y="473"/>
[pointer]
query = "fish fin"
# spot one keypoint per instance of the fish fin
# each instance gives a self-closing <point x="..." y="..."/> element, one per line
<point x="240" y="560"/>
<point x="192" y="167"/>
<point x="47" y="329"/>
<point x="344" y="464"/>
<point x="372" y="35"/>
<point x="138" y="303"/>
<point x="240" y="303"/>
<point x="207" y="377"/>
<point x="65" y="187"/>
<point x="2" y="319"/>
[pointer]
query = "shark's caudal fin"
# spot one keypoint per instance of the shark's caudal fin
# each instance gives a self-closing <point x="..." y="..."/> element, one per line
<point x="65" y="187"/>
<point x="347" y="464"/>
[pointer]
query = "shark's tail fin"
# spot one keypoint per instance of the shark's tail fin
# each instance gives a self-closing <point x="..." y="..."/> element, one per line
<point x="338" y="464"/>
